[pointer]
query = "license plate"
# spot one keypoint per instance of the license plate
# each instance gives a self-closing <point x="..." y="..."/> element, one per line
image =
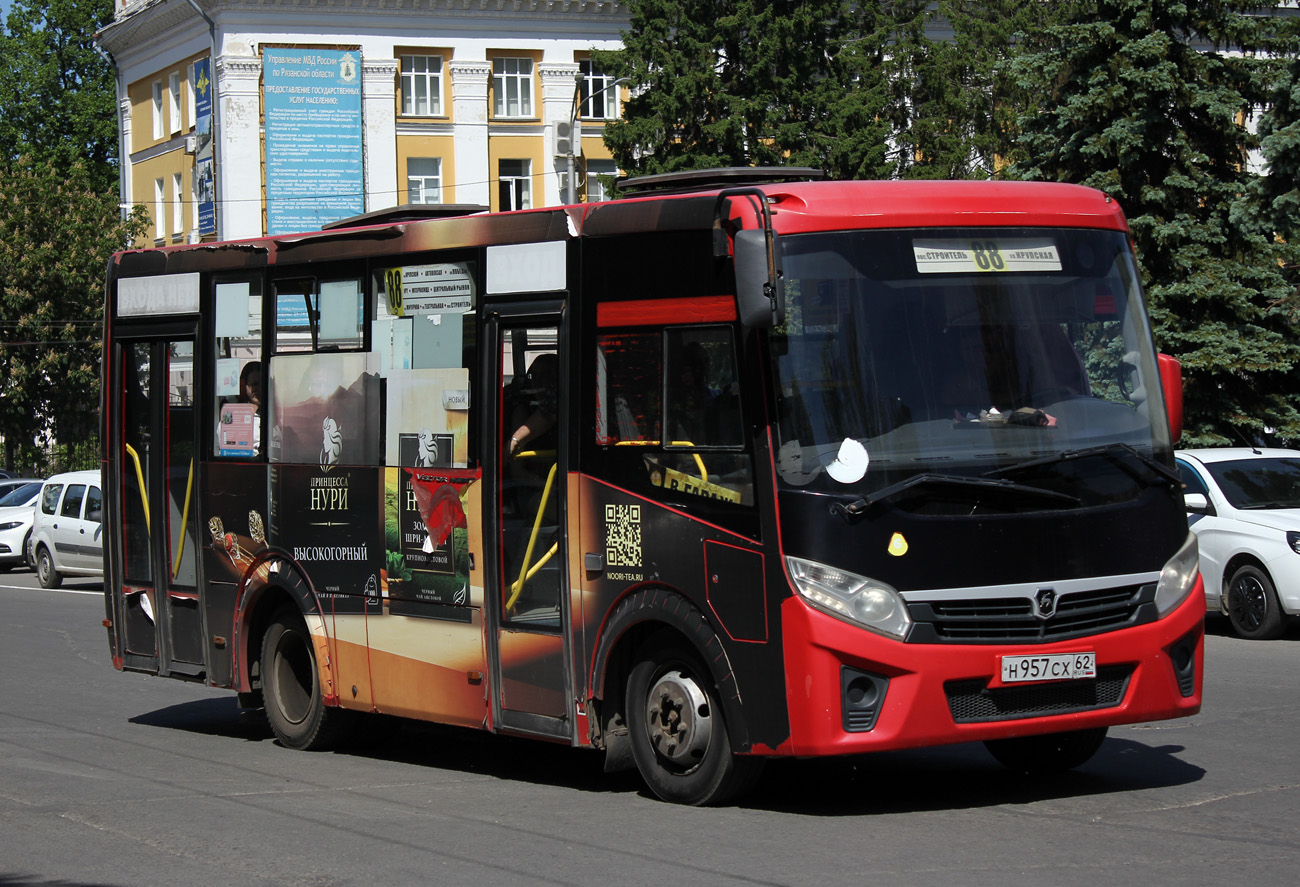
<point x="1053" y="667"/>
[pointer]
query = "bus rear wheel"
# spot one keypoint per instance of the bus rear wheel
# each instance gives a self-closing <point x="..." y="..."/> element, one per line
<point x="291" y="691"/>
<point x="678" y="734"/>
<point x="1048" y="753"/>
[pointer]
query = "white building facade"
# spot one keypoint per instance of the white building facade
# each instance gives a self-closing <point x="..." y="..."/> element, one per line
<point x="244" y="118"/>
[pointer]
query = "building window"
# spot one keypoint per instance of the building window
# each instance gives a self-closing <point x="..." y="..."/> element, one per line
<point x="190" y="99"/>
<point x="598" y="92"/>
<point x="600" y="180"/>
<point x="178" y="208"/>
<point x="424" y="179"/>
<point x="514" y="178"/>
<point x="174" y="100"/>
<point x="159" y="208"/>
<point x="159" y="125"/>
<point x="512" y="84"/>
<point x="422" y="85"/>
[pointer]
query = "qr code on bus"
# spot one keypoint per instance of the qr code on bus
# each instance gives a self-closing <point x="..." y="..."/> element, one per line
<point x="623" y="535"/>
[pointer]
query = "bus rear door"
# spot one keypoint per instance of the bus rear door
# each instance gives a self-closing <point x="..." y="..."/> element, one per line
<point x="154" y="455"/>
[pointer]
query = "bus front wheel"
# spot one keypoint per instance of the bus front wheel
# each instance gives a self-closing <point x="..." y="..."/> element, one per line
<point x="1048" y="753"/>
<point x="678" y="734"/>
<point x="295" y="707"/>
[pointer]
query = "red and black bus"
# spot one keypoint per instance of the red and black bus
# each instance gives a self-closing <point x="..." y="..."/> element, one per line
<point x="742" y="464"/>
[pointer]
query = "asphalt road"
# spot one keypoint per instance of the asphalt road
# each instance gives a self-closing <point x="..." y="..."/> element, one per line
<point x="118" y="779"/>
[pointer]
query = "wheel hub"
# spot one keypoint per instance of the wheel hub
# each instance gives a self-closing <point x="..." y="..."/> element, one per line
<point x="678" y="719"/>
<point x="1247" y="599"/>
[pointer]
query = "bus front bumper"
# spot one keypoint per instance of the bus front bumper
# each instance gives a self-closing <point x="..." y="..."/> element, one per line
<point x="851" y="691"/>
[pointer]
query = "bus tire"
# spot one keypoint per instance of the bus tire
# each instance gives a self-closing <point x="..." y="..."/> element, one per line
<point x="291" y="691"/>
<point x="45" y="572"/>
<point x="1047" y="753"/>
<point x="678" y="734"/>
<point x="1253" y="608"/>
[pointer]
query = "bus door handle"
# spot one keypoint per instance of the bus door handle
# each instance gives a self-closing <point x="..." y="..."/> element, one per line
<point x="594" y="562"/>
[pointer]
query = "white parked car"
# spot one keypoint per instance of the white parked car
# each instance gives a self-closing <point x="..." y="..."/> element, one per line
<point x="1243" y="505"/>
<point x="17" y="506"/>
<point x="67" y="534"/>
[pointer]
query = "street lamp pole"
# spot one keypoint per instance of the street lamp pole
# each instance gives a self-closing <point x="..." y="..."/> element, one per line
<point x="575" y="144"/>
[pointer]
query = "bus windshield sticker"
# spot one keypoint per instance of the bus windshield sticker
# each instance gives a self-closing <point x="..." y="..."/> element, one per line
<point x="850" y="464"/>
<point x="981" y="254"/>
<point x="793" y="466"/>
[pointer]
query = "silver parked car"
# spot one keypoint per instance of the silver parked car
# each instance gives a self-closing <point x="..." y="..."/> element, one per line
<point x="67" y="533"/>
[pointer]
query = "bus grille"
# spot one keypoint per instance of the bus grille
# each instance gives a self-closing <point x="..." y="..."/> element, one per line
<point x="972" y="701"/>
<point x="1012" y="619"/>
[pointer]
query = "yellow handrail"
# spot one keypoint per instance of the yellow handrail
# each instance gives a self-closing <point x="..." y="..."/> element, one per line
<point x="518" y="586"/>
<point x="185" y="516"/>
<point x="139" y="476"/>
<point x="704" y="472"/>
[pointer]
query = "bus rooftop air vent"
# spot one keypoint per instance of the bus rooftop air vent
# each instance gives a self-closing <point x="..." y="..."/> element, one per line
<point x="712" y="179"/>
<point x="407" y="212"/>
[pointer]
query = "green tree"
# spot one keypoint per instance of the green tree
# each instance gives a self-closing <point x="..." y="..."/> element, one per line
<point x="59" y="222"/>
<point x="957" y="99"/>
<point x="57" y="94"/>
<point x="1278" y="189"/>
<point x="750" y="83"/>
<point x="57" y="230"/>
<point x="1142" y="101"/>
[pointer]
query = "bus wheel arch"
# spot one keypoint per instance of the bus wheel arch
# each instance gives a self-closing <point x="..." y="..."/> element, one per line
<point x="273" y="584"/>
<point x="657" y="642"/>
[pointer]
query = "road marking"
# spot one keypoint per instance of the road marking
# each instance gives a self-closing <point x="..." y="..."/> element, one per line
<point x="55" y="590"/>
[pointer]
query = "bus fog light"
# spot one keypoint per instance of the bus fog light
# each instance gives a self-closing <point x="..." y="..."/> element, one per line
<point x="851" y="597"/>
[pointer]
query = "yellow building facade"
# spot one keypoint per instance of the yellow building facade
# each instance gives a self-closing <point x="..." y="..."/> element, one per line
<point x="243" y="119"/>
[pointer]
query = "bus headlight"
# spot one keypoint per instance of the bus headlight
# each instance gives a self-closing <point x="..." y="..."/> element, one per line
<point x="851" y="597"/>
<point x="1178" y="577"/>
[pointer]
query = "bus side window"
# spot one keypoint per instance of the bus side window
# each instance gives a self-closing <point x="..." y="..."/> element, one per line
<point x="668" y="413"/>
<point x="628" y="387"/>
<point x="238" y="378"/>
<point x="702" y="407"/>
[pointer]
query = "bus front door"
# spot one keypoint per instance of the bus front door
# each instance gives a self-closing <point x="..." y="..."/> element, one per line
<point x="525" y="544"/>
<point x="157" y="551"/>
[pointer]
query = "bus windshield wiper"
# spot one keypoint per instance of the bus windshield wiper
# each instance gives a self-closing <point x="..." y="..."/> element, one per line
<point x="1121" y="454"/>
<point x="934" y="485"/>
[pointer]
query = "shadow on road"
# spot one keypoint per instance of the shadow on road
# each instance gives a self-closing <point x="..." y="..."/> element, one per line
<point x="944" y="778"/>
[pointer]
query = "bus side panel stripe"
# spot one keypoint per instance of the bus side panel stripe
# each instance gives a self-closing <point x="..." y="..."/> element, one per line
<point x="657" y="312"/>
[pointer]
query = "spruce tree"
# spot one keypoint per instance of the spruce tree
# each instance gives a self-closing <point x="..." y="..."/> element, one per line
<point x="958" y="102"/>
<point x="749" y="83"/>
<point x="1144" y="100"/>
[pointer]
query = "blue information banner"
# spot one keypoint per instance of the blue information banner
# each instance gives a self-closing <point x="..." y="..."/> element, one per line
<point x="204" y="171"/>
<point x="314" y="172"/>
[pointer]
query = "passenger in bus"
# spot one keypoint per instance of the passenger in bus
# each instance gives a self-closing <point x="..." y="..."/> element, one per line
<point x="535" y="398"/>
<point x="250" y="384"/>
<point x="250" y="391"/>
<point x="693" y="401"/>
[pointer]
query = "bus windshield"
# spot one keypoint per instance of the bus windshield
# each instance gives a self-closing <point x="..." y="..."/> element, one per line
<point x="959" y="352"/>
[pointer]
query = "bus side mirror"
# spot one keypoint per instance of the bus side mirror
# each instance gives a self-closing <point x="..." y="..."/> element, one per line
<point x="760" y="295"/>
<point x="1171" y="381"/>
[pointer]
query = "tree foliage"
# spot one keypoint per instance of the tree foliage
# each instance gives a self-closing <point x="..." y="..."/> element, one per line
<point x="1146" y="105"/>
<point x="59" y="222"/>
<point x="57" y="96"/>
<point x="957" y="103"/>
<point x="750" y="83"/>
